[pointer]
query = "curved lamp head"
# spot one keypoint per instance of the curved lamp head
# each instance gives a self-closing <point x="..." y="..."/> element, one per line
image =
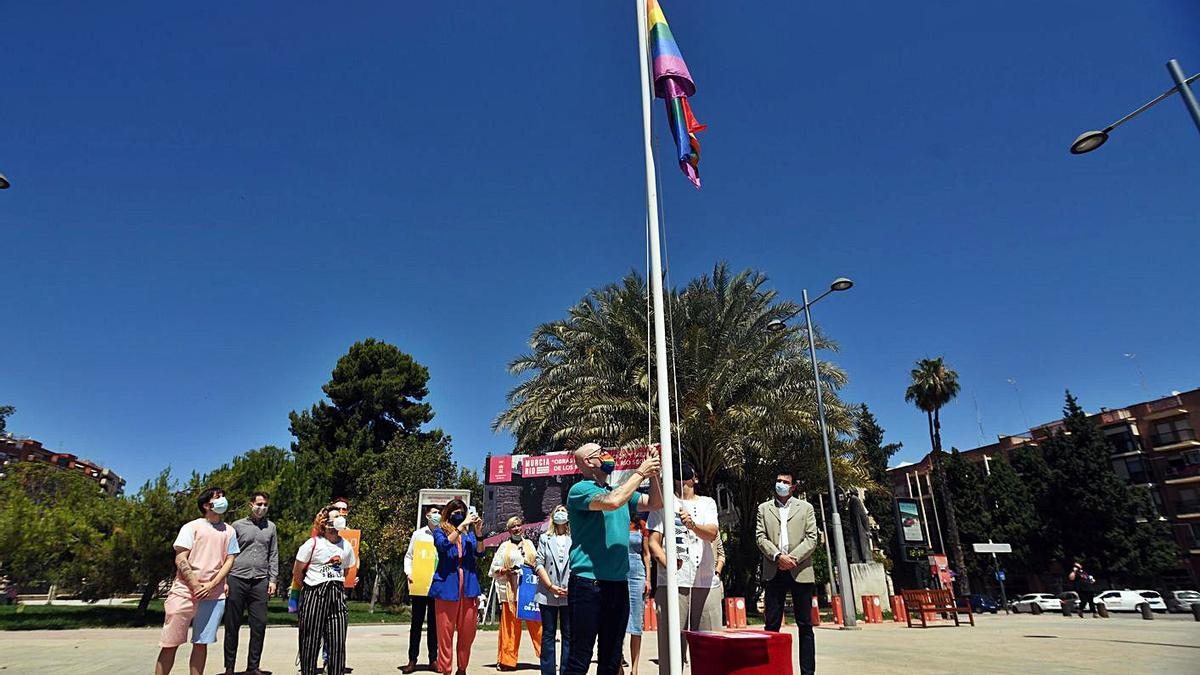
<point x="3" y="182"/>
<point x="776" y="326"/>
<point x="841" y="284"/>
<point x="1088" y="141"/>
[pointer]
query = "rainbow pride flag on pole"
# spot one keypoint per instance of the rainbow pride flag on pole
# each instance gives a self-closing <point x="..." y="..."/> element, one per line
<point x="673" y="82"/>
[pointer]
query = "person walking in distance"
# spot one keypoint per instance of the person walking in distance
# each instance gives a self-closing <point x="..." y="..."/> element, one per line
<point x="554" y="573"/>
<point x="700" y="592"/>
<point x="786" y="534"/>
<point x="599" y="588"/>
<point x="205" y="550"/>
<point x="320" y="566"/>
<point x="455" y="589"/>
<point x="1082" y="583"/>
<point x="422" y="603"/>
<point x="251" y="582"/>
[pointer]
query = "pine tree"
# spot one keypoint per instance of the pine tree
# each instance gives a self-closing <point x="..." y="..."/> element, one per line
<point x="1013" y="518"/>
<point x="964" y="482"/>
<point x="1095" y="515"/>
<point x="874" y="455"/>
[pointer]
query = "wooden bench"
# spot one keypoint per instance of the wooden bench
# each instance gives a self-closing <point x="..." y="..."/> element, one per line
<point x="926" y="604"/>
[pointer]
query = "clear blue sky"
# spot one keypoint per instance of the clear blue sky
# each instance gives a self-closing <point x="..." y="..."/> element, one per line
<point x="210" y="203"/>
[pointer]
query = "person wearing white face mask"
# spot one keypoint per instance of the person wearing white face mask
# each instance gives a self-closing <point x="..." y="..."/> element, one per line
<point x="422" y="604"/>
<point x="205" y="550"/>
<point x="251" y="582"/>
<point x="321" y="566"/>
<point x="554" y="574"/>
<point x="786" y="534"/>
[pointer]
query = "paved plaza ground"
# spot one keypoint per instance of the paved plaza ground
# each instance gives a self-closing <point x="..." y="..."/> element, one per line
<point x="998" y="644"/>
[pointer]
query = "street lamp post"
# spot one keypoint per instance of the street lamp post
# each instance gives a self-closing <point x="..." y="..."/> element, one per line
<point x="1090" y="140"/>
<point x="844" y="586"/>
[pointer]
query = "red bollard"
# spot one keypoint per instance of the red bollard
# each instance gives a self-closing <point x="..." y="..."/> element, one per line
<point x="872" y="612"/>
<point x="735" y="612"/>
<point x="816" y="612"/>
<point x="898" y="613"/>
<point x="837" y="610"/>
<point x="650" y="616"/>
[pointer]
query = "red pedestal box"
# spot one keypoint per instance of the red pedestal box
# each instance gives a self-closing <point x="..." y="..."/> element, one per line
<point x="742" y="652"/>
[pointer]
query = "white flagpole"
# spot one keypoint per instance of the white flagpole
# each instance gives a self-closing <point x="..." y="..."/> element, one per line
<point x="660" y="353"/>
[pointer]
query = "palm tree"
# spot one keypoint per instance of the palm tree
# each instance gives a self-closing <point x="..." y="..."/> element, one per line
<point x="933" y="386"/>
<point x="745" y="395"/>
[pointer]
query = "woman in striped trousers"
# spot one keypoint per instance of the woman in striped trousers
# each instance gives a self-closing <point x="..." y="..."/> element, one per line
<point x="320" y="567"/>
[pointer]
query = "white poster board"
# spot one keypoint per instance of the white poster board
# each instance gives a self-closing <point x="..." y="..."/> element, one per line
<point x="439" y="497"/>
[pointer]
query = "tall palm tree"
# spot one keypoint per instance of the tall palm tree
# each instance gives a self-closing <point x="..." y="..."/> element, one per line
<point x="745" y="396"/>
<point x="933" y="386"/>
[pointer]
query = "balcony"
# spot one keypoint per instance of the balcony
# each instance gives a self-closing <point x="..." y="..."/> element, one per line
<point x="1180" y="438"/>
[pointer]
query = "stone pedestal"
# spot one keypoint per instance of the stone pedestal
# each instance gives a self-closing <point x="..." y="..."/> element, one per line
<point x="868" y="579"/>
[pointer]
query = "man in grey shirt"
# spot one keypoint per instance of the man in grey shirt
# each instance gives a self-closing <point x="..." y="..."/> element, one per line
<point x="251" y="582"/>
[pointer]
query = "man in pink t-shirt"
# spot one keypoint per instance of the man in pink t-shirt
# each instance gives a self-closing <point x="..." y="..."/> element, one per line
<point x="204" y="553"/>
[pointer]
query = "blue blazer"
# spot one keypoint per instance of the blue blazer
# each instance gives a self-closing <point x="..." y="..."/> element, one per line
<point x="445" y="575"/>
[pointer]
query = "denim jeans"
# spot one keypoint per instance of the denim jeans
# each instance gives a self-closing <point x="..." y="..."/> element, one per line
<point x="551" y="617"/>
<point x="599" y="612"/>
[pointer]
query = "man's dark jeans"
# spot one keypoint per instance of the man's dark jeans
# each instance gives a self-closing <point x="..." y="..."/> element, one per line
<point x="242" y="595"/>
<point x="599" y="611"/>
<point x="422" y="610"/>
<point x="777" y="590"/>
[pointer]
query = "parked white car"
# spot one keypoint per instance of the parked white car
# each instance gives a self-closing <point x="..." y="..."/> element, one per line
<point x="1036" y="603"/>
<point x="1130" y="601"/>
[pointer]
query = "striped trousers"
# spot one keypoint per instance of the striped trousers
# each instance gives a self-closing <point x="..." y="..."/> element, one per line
<point x="323" y="617"/>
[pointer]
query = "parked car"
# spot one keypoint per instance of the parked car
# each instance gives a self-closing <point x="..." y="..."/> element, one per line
<point x="1131" y="601"/>
<point x="1182" y="601"/>
<point x="1036" y="603"/>
<point x="981" y="603"/>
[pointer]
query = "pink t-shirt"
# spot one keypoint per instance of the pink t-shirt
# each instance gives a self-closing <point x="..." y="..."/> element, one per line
<point x="208" y="544"/>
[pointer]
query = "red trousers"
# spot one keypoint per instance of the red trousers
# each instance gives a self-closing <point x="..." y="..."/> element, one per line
<point x="455" y="616"/>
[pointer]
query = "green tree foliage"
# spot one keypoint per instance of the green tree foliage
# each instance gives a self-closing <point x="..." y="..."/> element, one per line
<point x="375" y="393"/>
<point x="1013" y="519"/>
<point x="156" y="513"/>
<point x="874" y="455"/>
<point x="933" y="386"/>
<point x="5" y="412"/>
<point x="964" y="482"/>
<point x="388" y="510"/>
<point x="746" y="396"/>
<point x="52" y="524"/>
<point x="1095" y="516"/>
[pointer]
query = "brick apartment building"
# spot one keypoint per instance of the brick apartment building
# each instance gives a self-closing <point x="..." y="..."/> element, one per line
<point x="1154" y="447"/>
<point x="14" y="449"/>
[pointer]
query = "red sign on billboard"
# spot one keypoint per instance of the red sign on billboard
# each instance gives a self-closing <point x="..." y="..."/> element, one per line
<point x="500" y="469"/>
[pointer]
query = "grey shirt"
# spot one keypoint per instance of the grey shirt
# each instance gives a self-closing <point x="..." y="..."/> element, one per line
<point x="260" y="550"/>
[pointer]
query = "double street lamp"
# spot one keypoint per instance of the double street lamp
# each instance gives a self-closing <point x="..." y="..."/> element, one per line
<point x="1090" y="140"/>
<point x="780" y="325"/>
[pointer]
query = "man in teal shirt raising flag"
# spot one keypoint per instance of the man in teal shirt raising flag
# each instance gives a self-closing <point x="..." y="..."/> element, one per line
<point x="598" y="593"/>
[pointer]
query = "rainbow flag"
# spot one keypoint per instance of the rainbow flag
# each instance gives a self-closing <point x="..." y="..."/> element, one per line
<point x="673" y="82"/>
